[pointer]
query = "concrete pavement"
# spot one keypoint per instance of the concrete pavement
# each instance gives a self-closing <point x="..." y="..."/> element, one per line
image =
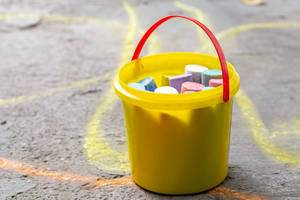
<point x="61" y="132"/>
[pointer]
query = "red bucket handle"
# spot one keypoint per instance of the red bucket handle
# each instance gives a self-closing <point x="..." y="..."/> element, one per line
<point x="211" y="36"/>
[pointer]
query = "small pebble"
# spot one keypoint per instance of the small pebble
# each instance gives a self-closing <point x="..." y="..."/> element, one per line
<point x="24" y="22"/>
<point x="149" y="84"/>
<point x="176" y="81"/>
<point x="191" y="86"/>
<point x="210" y="74"/>
<point x="196" y="71"/>
<point x="215" y="82"/>
<point x="137" y="86"/>
<point x="166" y="90"/>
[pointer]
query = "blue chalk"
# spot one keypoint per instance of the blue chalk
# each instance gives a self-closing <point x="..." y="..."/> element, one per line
<point x="137" y="86"/>
<point x="210" y="74"/>
<point x="149" y="84"/>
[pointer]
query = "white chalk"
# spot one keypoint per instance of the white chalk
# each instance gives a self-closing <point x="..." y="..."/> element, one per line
<point x="166" y="90"/>
<point x="196" y="71"/>
<point x="137" y="86"/>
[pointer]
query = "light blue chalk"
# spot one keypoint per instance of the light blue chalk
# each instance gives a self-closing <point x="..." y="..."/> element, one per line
<point x="149" y="84"/>
<point x="137" y="86"/>
<point x="210" y="74"/>
<point x="207" y="88"/>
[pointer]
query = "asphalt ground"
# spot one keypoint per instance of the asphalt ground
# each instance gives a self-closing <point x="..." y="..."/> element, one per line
<point x="61" y="126"/>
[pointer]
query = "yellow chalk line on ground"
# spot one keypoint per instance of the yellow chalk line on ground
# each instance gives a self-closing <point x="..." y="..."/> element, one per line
<point x="232" y="32"/>
<point x="132" y="30"/>
<point x="52" y="91"/>
<point x="235" y="31"/>
<point x="55" y="18"/>
<point x="260" y="132"/>
<point x="283" y="129"/>
<point x="196" y="12"/>
<point x="200" y="16"/>
<point x="258" y="129"/>
<point x="65" y="20"/>
<point x="98" y="152"/>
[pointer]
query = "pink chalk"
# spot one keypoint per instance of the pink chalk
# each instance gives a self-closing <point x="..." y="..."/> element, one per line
<point x="188" y="92"/>
<point x="191" y="87"/>
<point x="215" y="82"/>
<point x="176" y="81"/>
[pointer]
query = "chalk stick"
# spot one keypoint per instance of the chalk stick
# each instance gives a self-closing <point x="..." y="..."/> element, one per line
<point x="207" y="88"/>
<point x="166" y="90"/>
<point x="137" y="86"/>
<point x="196" y="71"/>
<point x="188" y="92"/>
<point x="191" y="86"/>
<point x="149" y="84"/>
<point x="176" y="81"/>
<point x="165" y="78"/>
<point x="215" y="82"/>
<point x="210" y="74"/>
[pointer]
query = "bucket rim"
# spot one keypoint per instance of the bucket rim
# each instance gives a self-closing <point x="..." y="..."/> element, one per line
<point x="153" y="100"/>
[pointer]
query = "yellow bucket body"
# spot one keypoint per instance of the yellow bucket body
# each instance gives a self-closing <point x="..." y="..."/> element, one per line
<point x="178" y="143"/>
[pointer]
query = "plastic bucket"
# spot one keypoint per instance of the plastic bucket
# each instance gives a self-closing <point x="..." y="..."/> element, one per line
<point x="178" y="144"/>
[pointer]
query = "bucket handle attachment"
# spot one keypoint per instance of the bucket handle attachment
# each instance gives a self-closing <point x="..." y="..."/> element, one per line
<point x="211" y="36"/>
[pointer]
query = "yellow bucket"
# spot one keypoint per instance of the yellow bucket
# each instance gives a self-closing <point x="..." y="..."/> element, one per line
<point x="178" y="144"/>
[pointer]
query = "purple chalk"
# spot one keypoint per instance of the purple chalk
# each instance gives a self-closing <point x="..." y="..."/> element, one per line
<point x="176" y="81"/>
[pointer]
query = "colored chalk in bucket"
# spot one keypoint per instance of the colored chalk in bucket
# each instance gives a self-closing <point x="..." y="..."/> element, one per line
<point x="215" y="82"/>
<point x="176" y="81"/>
<point x="191" y="86"/>
<point x="166" y="90"/>
<point x="210" y="74"/>
<point x="165" y="78"/>
<point x="207" y="88"/>
<point x="196" y="71"/>
<point x="137" y="86"/>
<point x="188" y="92"/>
<point x="149" y="84"/>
